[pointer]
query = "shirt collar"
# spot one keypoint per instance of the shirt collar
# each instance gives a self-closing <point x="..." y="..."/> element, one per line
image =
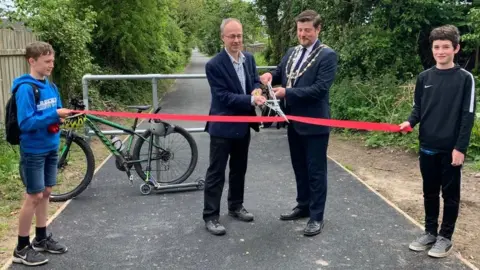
<point x="310" y="48"/>
<point x="241" y="59"/>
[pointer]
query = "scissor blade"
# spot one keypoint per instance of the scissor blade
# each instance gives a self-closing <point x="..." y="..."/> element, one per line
<point x="283" y="115"/>
<point x="277" y="109"/>
<point x="270" y="91"/>
<point x="276" y="105"/>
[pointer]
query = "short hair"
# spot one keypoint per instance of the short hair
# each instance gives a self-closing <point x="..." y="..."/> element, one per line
<point x="225" y="22"/>
<point x="309" y="16"/>
<point x="445" y="32"/>
<point x="38" y="48"/>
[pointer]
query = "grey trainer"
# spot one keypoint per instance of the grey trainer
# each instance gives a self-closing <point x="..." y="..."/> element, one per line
<point x="49" y="245"/>
<point x="28" y="256"/>
<point x="441" y="248"/>
<point x="423" y="242"/>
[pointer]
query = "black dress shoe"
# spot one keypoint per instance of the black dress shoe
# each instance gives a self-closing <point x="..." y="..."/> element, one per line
<point x="296" y="213"/>
<point x="214" y="227"/>
<point x="241" y="214"/>
<point x="313" y="228"/>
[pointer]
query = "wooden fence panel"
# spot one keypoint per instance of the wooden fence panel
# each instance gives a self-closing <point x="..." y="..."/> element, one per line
<point x="12" y="61"/>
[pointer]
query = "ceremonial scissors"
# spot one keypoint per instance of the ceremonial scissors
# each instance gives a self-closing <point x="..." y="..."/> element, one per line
<point x="274" y="103"/>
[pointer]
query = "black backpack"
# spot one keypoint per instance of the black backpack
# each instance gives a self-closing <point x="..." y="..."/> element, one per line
<point x="12" y="130"/>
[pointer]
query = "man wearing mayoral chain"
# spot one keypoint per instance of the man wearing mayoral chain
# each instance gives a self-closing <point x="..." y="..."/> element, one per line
<point x="306" y="74"/>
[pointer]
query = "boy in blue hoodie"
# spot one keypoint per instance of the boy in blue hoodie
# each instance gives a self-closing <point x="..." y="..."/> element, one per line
<point x="39" y="142"/>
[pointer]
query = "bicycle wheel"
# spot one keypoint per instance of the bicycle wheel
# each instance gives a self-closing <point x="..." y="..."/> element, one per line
<point x="164" y="161"/>
<point x="75" y="156"/>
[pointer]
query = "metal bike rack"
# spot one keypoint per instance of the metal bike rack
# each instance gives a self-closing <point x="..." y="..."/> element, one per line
<point x="199" y="182"/>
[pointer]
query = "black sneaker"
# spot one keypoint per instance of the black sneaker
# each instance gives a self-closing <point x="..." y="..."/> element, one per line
<point x="49" y="245"/>
<point x="28" y="256"/>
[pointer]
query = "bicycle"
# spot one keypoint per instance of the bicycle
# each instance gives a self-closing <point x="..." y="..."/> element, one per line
<point x="124" y="159"/>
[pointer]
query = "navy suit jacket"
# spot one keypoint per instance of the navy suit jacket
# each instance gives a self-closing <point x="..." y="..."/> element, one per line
<point x="227" y="94"/>
<point x="309" y="96"/>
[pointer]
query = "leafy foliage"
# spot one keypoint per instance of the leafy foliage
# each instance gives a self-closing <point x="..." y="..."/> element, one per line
<point x="68" y="28"/>
<point x="472" y="39"/>
<point x="378" y="100"/>
<point x="214" y="11"/>
<point x="126" y="37"/>
<point x="371" y="37"/>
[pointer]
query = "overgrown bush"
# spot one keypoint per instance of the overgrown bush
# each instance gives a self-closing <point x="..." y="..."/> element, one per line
<point x="384" y="99"/>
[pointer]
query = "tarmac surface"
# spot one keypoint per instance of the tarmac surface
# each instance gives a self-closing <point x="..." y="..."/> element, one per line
<point x="112" y="226"/>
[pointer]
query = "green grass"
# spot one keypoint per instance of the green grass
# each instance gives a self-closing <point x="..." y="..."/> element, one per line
<point x="11" y="187"/>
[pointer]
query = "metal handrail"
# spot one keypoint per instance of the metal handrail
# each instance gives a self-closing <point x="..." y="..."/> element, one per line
<point x="153" y="77"/>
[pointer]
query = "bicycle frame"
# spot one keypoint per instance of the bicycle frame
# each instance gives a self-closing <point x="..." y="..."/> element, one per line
<point x="91" y="120"/>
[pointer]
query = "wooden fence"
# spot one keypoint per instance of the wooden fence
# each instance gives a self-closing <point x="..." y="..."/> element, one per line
<point x="254" y="48"/>
<point x="12" y="61"/>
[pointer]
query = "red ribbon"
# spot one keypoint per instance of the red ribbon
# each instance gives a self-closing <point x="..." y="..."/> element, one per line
<point x="371" y="126"/>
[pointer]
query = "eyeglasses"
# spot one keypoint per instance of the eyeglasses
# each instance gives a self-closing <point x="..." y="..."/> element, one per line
<point x="239" y="36"/>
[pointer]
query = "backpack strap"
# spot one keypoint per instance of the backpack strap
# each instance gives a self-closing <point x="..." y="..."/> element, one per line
<point x="36" y="92"/>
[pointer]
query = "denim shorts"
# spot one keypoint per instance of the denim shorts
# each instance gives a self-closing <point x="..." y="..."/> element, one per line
<point x="38" y="170"/>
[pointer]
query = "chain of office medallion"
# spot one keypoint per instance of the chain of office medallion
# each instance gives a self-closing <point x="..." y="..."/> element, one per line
<point x="310" y="60"/>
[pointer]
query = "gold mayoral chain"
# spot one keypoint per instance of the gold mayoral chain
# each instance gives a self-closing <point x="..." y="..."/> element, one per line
<point x="292" y="76"/>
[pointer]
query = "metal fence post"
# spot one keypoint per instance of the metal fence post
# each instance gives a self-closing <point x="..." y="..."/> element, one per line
<point x="155" y="93"/>
<point x="85" y="102"/>
<point x="156" y="138"/>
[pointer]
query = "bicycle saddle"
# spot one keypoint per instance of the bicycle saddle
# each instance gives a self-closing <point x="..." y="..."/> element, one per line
<point x="140" y="107"/>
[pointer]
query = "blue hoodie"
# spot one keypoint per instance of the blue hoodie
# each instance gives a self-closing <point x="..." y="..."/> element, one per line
<point x="34" y="119"/>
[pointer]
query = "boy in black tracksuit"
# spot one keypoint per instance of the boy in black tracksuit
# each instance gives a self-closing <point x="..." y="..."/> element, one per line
<point x="444" y="106"/>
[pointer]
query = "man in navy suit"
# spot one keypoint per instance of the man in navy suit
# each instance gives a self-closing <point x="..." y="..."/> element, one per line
<point x="233" y="77"/>
<point x="306" y="74"/>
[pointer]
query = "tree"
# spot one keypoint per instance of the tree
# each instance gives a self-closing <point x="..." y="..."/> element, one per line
<point x="472" y="39"/>
<point x="68" y="30"/>
<point x="214" y="11"/>
<point x="372" y="37"/>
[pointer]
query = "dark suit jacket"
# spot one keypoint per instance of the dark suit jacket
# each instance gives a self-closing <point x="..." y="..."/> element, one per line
<point x="309" y="96"/>
<point x="227" y="94"/>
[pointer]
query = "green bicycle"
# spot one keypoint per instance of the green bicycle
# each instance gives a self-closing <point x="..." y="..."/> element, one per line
<point x="75" y="151"/>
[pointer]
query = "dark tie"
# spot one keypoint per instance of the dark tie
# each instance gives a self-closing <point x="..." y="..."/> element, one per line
<point x="300" y="60"/>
